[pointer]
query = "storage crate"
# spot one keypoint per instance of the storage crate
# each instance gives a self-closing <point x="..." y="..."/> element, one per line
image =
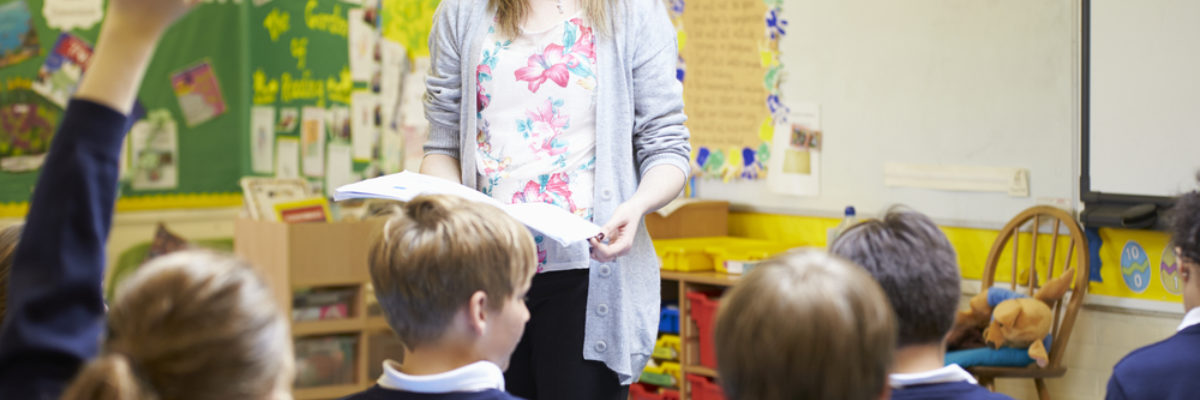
<point x="668" y="320"/>
<point x="666" y="374"/>
<point x="740" y="257"/>
<point x="325" y="360"/>
<point x="713" y="253"/>
<point x="703" y="310"/>
<point x="704" y="389"/>
<point x="667" y="348"/>
<point x="642" y="391"/>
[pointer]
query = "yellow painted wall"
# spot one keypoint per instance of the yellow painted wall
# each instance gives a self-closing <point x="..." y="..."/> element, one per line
<point x="974" y="244"/>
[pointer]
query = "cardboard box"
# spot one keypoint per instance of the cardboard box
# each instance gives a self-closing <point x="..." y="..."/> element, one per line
<point x="291" y="256"/>
<point x="689" y="218"/>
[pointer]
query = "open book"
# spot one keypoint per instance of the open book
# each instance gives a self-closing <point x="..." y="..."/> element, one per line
<point x="556" y="223"/>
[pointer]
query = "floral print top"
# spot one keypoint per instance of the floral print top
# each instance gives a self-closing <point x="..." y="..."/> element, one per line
<point x="537" y="126"/>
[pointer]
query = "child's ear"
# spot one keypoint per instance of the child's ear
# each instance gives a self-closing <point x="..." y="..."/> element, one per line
<point x="477" y="312"/>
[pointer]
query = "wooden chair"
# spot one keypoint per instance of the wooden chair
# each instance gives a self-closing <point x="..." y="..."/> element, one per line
<point x="1025" y="231"/>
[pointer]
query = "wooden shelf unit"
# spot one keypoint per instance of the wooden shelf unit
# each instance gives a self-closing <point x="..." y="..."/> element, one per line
<point x="317" y="255"/>
<point x="682" y="283"/>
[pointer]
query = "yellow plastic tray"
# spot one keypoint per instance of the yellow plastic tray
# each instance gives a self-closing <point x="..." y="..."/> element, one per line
<point x="667" y="348"/>
<point x="713" y="253"/>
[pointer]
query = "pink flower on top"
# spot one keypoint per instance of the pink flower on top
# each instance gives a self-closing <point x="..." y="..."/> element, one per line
<point x="586" y="45"/>
<point x="482" y="98"/>
<point x="546" y="127"/>
<point x="551" y="64"/>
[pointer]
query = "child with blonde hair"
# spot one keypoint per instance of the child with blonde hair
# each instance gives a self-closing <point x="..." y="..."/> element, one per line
<point x="805" y="325"/>
<point x="451" y="276"/>
<point x="191" y="325"/>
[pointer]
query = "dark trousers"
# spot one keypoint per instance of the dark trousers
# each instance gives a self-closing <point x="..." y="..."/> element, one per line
<point x="548" y="362"/>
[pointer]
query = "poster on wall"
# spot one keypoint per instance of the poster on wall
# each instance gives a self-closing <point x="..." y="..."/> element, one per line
<point x="730" y="69"/>
<point x="18" y="36"/>
<point x="64" y="66"/>
<point x="364" y="109"/>
<point x="199" y="93"/>
<point x="795" y="163"/>
<point x="262" y="139"/>
<point x="287" y="157"/>
<point x="362" y="37"/>
<point x="154" y="152"/>
<point x="73" y="14"/>
<point x="25" y="132"/>
<point x="312" y="141"/>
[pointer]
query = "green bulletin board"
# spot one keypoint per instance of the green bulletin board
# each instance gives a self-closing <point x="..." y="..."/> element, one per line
<point x="264" y="58"/>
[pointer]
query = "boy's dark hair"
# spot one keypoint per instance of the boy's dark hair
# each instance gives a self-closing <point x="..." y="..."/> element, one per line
<point x="916" y="266"/>
<point x="1185" y="224"/>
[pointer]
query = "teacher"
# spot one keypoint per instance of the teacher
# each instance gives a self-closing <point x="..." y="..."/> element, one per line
<point x="572" y="103"/>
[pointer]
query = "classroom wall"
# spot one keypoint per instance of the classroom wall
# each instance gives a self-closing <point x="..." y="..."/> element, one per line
<point x="1113" y="322"/>
<point x="136" y="227"/>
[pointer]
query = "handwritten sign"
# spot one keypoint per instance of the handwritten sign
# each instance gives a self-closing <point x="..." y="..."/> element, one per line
<point x="277" y="23"/>
<point x="333" y="22"/>
<point x="724" y="90"/>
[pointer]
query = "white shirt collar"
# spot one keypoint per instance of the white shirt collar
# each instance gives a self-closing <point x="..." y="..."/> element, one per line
<point x="1191" y="318"/>
<point x="949" y="373"/>
<point x="476" y="377"/>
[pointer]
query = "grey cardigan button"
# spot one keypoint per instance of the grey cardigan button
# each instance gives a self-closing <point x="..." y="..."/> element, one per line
<point x="605" y="270"/>
<point x="601" y="346"/>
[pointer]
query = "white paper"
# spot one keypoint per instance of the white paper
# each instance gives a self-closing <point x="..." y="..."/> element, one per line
<point x="556" y="223"/>
<point x="312" y="141"/>
<point x="339" y="170"/>
<point x="362" y="45"/>
<point x="338" y="118"/>
<point x="362" y="124"/>
<point x="393" y="65"/>
<point x="262" y="139"/>
<point x="66" y="15"/>
<point x="287" y="159"/>
<point x="414" y="128"/>
<point x="154" y="153"/>
<point x="780" y="179"/>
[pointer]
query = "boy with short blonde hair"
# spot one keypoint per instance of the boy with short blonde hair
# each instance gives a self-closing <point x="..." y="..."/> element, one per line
<point x="451" y="276"/>
<point x="805" y="325"/>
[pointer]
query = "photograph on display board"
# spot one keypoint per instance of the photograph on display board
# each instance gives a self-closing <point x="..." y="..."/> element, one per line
<point x="18" y="36"/>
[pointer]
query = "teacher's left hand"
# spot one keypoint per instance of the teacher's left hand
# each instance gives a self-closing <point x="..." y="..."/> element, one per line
<point x="619" y="231"/>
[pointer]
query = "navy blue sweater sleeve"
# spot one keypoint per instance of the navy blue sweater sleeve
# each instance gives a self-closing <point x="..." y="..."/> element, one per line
<point x="56" y="308"/>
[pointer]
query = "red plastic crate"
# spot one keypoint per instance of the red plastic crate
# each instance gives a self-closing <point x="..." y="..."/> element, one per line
<point x="704" y="310"/>
<point x="669" y="394"/>
<point x="704" y="389"/>
<point x="642" y="391"/>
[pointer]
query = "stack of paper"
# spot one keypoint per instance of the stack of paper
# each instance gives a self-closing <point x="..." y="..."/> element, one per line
<point x="556" y="223"/>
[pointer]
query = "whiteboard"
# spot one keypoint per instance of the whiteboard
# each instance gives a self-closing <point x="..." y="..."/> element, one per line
<point x="1145" y="96"/>
<point x="950" y="82"/>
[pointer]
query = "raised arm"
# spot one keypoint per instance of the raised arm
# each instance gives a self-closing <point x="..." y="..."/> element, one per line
<point x="56" y="311"/>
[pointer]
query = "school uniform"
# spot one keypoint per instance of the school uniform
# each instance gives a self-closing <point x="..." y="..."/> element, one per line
<point x="55" y="302"/>
<point x="482" y="380"/>
<point x="947" y="383"/>
<point x="1163" y="371"/>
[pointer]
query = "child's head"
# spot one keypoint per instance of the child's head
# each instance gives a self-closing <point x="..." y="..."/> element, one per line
<point x="1185" y="236"/>
<point x="446" y="269"/>
<point x="191" y="325"/>
<point x="805" y="325"/>
<point x="8" y="248"/>
<point x="916" y="266"/>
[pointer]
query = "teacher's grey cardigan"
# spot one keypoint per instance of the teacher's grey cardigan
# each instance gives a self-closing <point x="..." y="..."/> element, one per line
<point x="639" y="125"/>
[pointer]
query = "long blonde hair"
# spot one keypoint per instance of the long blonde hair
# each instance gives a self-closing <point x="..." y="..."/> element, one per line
<point x="190" y="325"/>
<point x="511" y="13"/>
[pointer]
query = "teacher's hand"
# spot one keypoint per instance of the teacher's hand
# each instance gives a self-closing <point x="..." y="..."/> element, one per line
<point x="619" y="231"/>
